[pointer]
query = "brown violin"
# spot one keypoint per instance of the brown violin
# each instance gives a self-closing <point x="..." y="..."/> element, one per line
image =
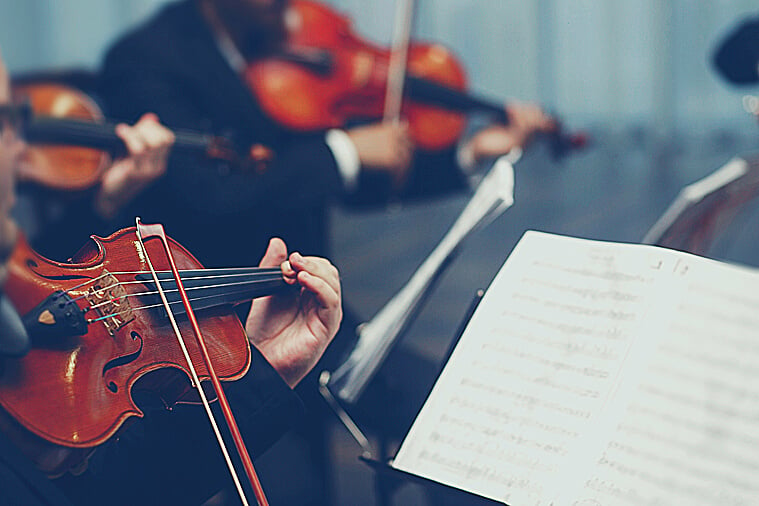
<point x="98" y="327"/>
<point x="71" y="142"/>
<point x="328" y="76"/>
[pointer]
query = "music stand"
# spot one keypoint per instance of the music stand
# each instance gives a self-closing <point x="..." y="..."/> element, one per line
<point x="344" y="386"/>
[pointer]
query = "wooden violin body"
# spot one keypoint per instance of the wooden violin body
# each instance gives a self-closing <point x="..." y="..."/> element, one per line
<point x="55" y="165"/>
<point x="76" y="390"/>
<point x="329" y="76"/>
<point x="71" y="143"/>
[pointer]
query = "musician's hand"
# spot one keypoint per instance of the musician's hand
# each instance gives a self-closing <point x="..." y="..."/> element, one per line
<point x="148" y="143"/>
<point x="293" y="329"/>
<point x="524" y="121"/>
<point x="384" y="146"/>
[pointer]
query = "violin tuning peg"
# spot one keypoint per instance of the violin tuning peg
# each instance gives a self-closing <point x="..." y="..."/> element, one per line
<point x="260" y="157"/>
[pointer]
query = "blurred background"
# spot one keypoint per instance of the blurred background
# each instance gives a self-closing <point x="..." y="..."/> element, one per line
<point x="634" y="74"/>
<point x="621" y="62"/>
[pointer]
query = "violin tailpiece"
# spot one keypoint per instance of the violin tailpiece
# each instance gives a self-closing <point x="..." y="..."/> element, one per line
<point x="54" y="319"/>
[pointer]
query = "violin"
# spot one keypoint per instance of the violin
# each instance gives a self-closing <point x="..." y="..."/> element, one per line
<point x="328" y="76"/>
<point x="72" y="144"/>
<point x="99" y="332"/>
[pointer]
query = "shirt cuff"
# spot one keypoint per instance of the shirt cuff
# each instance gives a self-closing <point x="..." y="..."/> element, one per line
<point x="465" y="158"/>
<point x="346" y="157"/>
<point x="468" y="164"/>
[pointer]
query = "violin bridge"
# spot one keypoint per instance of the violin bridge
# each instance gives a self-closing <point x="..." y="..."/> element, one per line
<point x="109" y="299"/>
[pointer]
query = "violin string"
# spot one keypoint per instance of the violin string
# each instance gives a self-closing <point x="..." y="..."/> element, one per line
<point x="105" y="133"/>
<point x="262" y="270"/>
<point x="237" y="269"/>
<point x="217" y="276"/>
<point x="170" y="290"/>
<point x="254" y="270"/>
<point x="89" y="281"/>
<point x="186" y="353"/>
<point x="152" y="306"/>
<point x="82" y="285"/>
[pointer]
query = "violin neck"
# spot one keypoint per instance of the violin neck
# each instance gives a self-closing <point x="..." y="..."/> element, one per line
<point x="209" y="288"/>
<point x="426" y="91"/>
<point x="50" y="130"/>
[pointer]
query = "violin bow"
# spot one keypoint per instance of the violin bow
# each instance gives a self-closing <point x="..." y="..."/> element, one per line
<point x="148" y="231"/>
<point x="396" y="72"/>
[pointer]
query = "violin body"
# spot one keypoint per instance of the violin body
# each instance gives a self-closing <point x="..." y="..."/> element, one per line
<point x="54" y="165"/>
<point x="337" y="77"/>
<point x="76" y="390"/>
<point x="70" y="143"/>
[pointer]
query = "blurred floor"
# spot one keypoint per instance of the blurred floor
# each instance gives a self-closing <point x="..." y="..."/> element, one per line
<point x="614" y="190"/>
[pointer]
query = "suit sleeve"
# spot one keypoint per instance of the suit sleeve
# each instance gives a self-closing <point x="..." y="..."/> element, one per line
<point x="433" y="174"/>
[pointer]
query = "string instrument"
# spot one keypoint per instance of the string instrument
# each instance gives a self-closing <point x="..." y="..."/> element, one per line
<point x="71" y="142"/>
<point x="328" y="76"/>
<point x="98" y="325"/>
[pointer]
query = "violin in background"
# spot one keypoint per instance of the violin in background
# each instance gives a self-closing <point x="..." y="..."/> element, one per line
<point x="328" y="77"/>
<point x="71" y="143"/>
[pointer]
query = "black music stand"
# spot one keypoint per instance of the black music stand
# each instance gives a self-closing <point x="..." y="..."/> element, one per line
<point x="393" y="479"/>
<point x="388" y="480"/>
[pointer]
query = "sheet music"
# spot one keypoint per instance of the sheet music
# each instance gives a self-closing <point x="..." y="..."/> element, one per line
<point x="494" y="195"/>
<point x="556" y="376"/>
<point x="690" y="431"/>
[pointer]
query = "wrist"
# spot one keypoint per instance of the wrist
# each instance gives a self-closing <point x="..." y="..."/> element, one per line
<point x="346" y="156"/>
<point x="289" y="370"/>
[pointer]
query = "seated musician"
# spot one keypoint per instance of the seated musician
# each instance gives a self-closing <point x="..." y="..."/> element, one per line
<point x="170" y="457"/>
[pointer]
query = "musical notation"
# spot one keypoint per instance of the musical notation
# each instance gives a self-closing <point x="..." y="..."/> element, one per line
<point x="600" y="373"/>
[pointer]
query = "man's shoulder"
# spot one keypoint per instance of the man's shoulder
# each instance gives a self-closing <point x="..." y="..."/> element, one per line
<point x="165" y="30"/>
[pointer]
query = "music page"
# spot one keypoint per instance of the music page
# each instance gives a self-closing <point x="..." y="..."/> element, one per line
<point x="689" y="433"/>
<point x="563" y="387"/>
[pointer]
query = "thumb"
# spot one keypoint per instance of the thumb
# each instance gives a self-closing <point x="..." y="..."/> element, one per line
<point x="276" y="253"/>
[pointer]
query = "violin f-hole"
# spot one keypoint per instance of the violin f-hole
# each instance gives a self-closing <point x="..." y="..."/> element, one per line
<point x="123" y="360"/>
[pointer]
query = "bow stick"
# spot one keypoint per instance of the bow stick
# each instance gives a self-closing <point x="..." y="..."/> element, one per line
<point x="145" y="232"/>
